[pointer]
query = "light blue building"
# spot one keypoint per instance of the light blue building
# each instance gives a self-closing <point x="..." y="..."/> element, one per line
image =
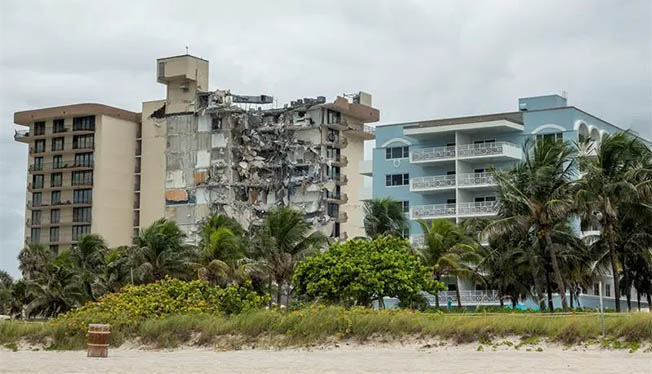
<point x="440" y="168"/>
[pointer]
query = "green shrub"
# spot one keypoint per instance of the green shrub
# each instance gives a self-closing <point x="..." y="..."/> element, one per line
<point x="126" y="309"/>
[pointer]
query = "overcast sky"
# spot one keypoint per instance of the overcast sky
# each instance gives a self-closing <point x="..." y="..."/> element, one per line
<point x="420" y="60"/>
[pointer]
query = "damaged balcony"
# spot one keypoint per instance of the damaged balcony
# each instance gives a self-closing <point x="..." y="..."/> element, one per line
<point x="340" y="180"/>
<point x="340" y="161"/>
<point x="341" y="217"/>
<point x="335" y="198"/>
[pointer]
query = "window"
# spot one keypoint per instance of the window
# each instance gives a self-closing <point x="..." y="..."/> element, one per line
<point x="558" y="136"/>
<point x="57" y="126"/>
<point x="397" y="179"/>
<point x="57" y="162"/>
<point x="54" y="234"/>
<point x="57" y="144"/>
<point x="336" y="230"/>
<point x="596" y="288"/>
<point x="55" y="216"/>
<point x="450" y="172"/>
<point x="81" y="215"/>
<point x="38" y="163"/>
<point x="37" y="180"/>
<point x="82" y="196"/>
<point x="333" y="135"/>
<point x="54" y="249"/>
<point x="451" y="201"/>
<point x="37" y="199"/>
<point x="79" y="230"/>
<point x="35" y="235"/>
<point x="82" y="141"/>
<point x="56" y="198"/>
<point x="333" y="153"/>
<point x="39" y="146"/>
<point x="84" y="159"/>
<point x="406" y="206"/>
<point x="450" y="144"/>
<point x="39" y="128"/>
<point x="80" y="178"/>
<point x="333" y="210"/>
<point x="333" y="116"/>
<point x="478" y="171"/>
<point x="36" y="217"/>
<point x="83" y="123"/>
<point x="486" y="141"/>
<point x="397" y="152"/>
<point x="482" y="199"/>
<point x="56" y="179"/>
<point x="607" y="290"/>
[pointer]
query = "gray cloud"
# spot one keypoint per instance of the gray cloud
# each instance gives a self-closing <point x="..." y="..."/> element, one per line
<point x="419" y="59"/>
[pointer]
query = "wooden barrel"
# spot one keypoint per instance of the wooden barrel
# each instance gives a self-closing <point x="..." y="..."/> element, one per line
<point x="98" y="340"/>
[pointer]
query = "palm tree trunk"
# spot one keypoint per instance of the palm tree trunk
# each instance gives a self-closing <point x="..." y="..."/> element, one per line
<point x="649" y="302"/>
<point x="555" y="268"/>
<point x="279" y="293"/>
<point x="551" y="306"/>
<point x="638" y="300"/>
<point x="537" y="282"/>
<point x="287" y="302"/>
<point x="571" y="298"/>
<point x="269" y="289"/>
<point x="457" y="292"/>
<point x="614" y="271"/>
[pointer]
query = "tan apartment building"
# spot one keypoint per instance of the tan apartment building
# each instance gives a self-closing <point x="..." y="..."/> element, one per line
<point x="99" y="169"/>
<point x="81" y="173"/>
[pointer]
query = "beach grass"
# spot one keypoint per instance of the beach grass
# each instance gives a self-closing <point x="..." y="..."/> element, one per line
<point x="322" y="324"/>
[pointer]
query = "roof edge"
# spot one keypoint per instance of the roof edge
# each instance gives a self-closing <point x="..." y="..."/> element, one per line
<point x="27" y="117"/>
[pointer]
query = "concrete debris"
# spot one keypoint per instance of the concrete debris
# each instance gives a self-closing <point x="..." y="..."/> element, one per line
<point x="225" y="158"/>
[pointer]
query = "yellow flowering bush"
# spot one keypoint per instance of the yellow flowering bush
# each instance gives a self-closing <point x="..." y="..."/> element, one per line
<point x="133" y="304"/>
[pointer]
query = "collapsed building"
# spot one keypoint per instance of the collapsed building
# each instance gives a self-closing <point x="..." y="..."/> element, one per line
<point x="241" y="156"/>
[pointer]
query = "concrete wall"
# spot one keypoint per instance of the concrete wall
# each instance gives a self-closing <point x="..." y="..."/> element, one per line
<point x="113" y="179"/>
<point x="354" y="208"/>
<point x="152" y="184"/>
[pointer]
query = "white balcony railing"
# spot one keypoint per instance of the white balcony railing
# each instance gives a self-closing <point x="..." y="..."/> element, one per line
<point x="432" y="182"/>
<point x="470" y="297"/>
<point x="488" y="149"/>
<point x="432" y="211"/>
<point x="476" y="179"/>
<point x="432" y="154"/>
<point x="485" y="208"/>
<point x="417" y="240"/>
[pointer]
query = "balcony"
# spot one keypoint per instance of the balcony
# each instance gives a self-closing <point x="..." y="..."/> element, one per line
<point x="432" y="183"/>
<point x="493" y="151"/>
<point x="360" y="130"/>
<point x="336" y="142"/>
<point x="340" y="198"/>
<point x="478" y="209"/>
<point x="61" y="204"/>
<point x="468" y="298"/>
<point x="21" y="136"/>
<point x="433" y="211"/>
<point x="340" y="180"/>
<point x="341" y="217"/>
<point x="417" y="241"/>
<point x="432" y="155"/>
<point x="48" y="167"/>
<point x="340" y="161"/>
<point x="476" y="180"/>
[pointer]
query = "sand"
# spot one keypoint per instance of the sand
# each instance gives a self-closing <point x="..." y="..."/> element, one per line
<point x="342" y="359"/>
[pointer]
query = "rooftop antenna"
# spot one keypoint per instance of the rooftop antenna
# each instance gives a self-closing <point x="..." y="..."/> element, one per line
<point x="186" y="50"/>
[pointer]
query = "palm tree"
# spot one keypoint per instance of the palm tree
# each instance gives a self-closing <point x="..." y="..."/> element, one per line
<point x="6" y="284"/>
<point x="222" y="258"/>
<point x="449" y="251"/>
<point x="159" y="251"/>
<point x="32" y="259"/>
<point x="88" y="258"/>
<point x="384" y="217"/>
<point x="619" y="176"/>
<point x="284" y="239"/>
<point x="56" y="289"/>
<point x="536" y="196"/>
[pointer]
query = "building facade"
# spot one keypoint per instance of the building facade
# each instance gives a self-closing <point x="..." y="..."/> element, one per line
<point x="81" y="173"/>
<point x="217" y="152"/>
<point x="441" y="168"/>
<point x="98" y="169"/>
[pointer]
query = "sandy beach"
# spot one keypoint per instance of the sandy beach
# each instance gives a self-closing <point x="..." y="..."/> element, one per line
<point x="342" y="359"/>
